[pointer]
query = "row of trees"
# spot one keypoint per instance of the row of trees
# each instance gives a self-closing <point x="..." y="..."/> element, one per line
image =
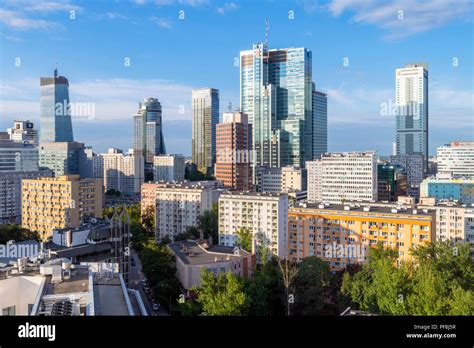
<point x="269" y="292"/>
<point x="440" y="281"/>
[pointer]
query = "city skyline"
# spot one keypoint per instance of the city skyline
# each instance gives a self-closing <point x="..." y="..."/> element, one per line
<point x="348" y="99"/>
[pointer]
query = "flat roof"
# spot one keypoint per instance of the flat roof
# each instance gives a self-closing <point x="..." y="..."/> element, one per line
<point x="109" y="298"/>
<point x="358" y="207"/>
<point x="200" y="255"/>
<point x="79" y="282"/>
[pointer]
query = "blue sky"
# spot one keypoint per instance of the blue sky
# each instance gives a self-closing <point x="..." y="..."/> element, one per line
<point x="169" y="55"/>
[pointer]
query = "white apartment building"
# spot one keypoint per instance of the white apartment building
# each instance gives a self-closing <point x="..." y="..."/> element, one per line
<point x="122" y="172"/>
<point x="264" y="214"/>
<point x="168" y="168"/>
<point x="293" y="178"/>
<point x="454" y="221"/>
<point x="456" y="159"/>
<point x="337" y="177"/>
<point x="177" y="206"/>
<point x="276" y="180"/>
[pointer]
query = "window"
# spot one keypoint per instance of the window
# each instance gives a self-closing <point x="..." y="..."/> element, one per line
<point x="8" y="310"/>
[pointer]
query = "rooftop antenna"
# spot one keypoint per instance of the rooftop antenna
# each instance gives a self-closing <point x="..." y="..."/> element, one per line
<point x="266" y="33"/>
<point x="56" y="70"/>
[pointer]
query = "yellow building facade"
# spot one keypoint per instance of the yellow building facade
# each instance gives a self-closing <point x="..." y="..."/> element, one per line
<point x="342" y="234"/>
<point x="61" y="202"/>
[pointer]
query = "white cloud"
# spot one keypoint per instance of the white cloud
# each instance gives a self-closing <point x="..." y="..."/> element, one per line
<point x="228" y="6"/>
<point x="402" y="18"/>
<point x="192" y="3"/>
<point x="17" y="21"/>
<point x="161" y="22"/>
<point x="16" y="15"/>
<point x="115" y="15"/>
<point x="49" y="6"/>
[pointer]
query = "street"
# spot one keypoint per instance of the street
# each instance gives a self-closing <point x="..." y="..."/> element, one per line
<point x="136" y="278"/>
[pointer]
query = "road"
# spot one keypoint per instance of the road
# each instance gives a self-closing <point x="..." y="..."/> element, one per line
<point x="136" y="277"/>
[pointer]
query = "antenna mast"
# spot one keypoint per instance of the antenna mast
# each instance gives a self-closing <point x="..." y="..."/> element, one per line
<point x="266" y="33"/>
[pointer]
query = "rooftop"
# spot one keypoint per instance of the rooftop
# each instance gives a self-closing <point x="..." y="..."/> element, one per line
<point x="366" y="208"/>
<point x="192" y="253"/>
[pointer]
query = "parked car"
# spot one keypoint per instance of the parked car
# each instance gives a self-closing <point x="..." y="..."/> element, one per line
<point x="156" y="306"/>
<point x="146" y="290"/>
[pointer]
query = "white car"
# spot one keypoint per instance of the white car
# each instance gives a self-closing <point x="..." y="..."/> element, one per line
<point x="156" y="306"/>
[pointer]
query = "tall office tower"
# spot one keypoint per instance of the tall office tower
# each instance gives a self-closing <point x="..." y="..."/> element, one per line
<point x="456" y="159"/>
<point x="123" y="172"/>
<point x="320" y="123"/>
<point x="276" y="91"/>
<point x="414" y="167"/>
<point x="63" y="158"/>
<point x="55" y="109"/>
<point x="412" y="111"/>
<point x="264" y="214"/>
<point x="234" y="151"/>
<point x="169" y="168"/>
<point x="340" y="177"/>
<point x="205" y="104"/>
<point x="23" y="131"/>
<point x="148" y="139"/>
<point x="64" y="201"/>
<point x="392" y="182"/>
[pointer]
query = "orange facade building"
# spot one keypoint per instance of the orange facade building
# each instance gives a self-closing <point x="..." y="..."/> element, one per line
<point x="233" y="152"/>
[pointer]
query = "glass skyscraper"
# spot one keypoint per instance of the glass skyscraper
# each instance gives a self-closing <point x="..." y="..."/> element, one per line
<point x="276" y="91"/>
<point x="205" y="105"/>
<point x="55" y="109"/>
<point x="320" y="123"/>
<point x="148" y="139"/>
<point x="412" y="111"/>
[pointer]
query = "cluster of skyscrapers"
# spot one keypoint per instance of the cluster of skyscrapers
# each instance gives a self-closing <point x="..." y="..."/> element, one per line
<point x="266" y="165"/>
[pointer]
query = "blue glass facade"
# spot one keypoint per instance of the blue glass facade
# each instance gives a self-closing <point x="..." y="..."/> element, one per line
<point x="55" y="109"/>
<point x="276" y="91"/>
<point x="412" y="111"/>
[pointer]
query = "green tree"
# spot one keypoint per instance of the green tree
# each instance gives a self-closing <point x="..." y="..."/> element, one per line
<point x="311" y="284"/>
<point x="148" y="218"/>
<point x="209" y="223"/>
<point x="263" y="291"/>
<point x="159" y="267"/>
<point x="16" y="233"/>
<point x="221" y="295"/>
<point x="244" y="238"/>
<point x="190" y="307"/>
